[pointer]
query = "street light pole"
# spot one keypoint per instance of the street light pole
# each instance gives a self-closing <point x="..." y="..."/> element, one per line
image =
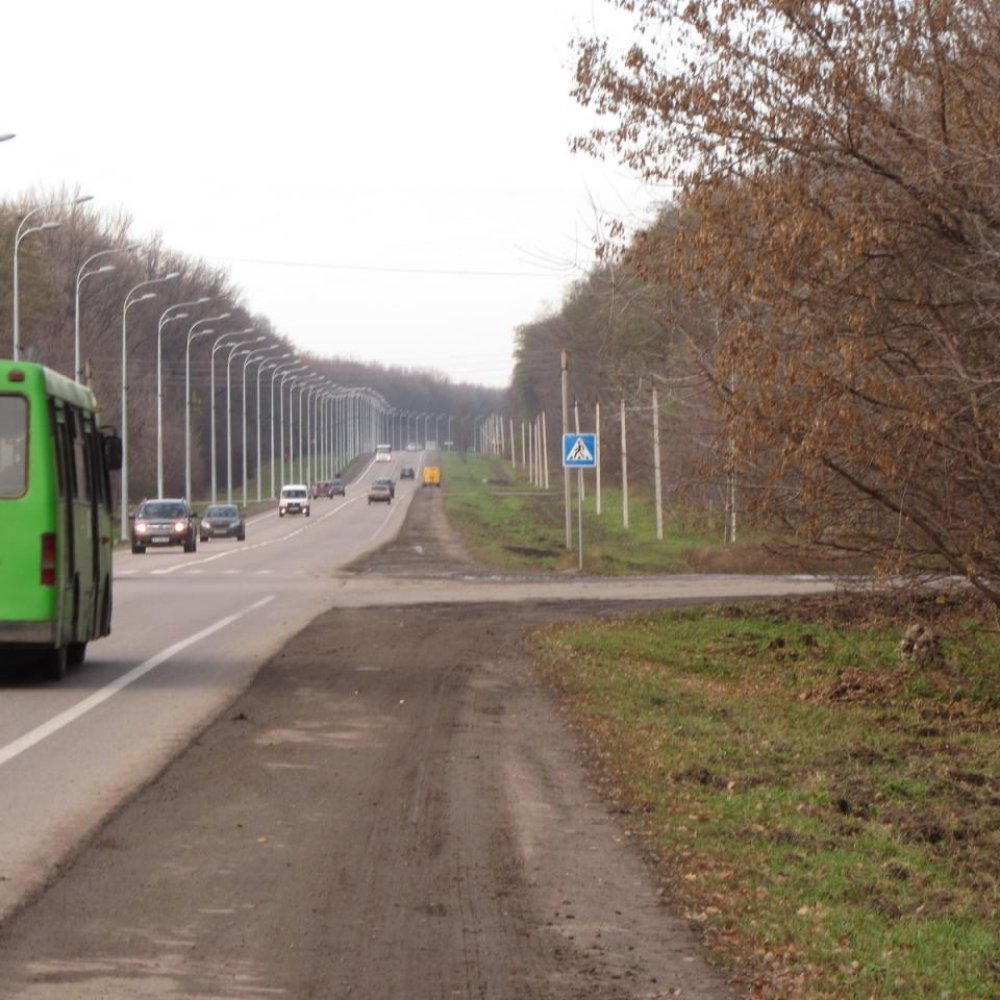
<point x="128" y="303"/>
<point x="304" y="384"/>
<point x="187" y="394"/>
<point x="215" y="347"/>
<point x="164" y="319"/>
<point x="311" y="421"/>
<point x="81" y="275"/>
<point x="286" y="377"/>
<point x="278" y="369"/>
<point x="17" y="243"/>
<point x="234" y="352"/>
<point x="24" y="230"/>
<point x="251" y="355"/>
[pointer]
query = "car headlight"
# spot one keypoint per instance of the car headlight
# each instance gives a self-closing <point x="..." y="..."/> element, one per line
<point x="140" y="528"/>
<point x="180" y="526"/>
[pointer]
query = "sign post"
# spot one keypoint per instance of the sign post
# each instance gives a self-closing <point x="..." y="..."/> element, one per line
<point x="579" y="452"/>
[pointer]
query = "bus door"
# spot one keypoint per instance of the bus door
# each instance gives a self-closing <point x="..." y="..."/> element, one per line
<point x="86" y="533"/>
<point x="75" y="517"/>
<point x="66" y="612"/>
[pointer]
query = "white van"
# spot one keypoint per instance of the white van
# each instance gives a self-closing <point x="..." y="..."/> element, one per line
<point x="294" y="499"/>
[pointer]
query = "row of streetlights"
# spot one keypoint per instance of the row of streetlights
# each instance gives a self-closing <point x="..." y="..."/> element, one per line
<point x="294" y="373"/>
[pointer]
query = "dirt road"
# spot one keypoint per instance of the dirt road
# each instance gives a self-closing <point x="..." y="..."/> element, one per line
<point x="394" y="809"/>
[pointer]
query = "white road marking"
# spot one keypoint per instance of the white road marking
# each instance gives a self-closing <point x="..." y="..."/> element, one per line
<point x="39" y="733"/>
<point x="383" y="523"/>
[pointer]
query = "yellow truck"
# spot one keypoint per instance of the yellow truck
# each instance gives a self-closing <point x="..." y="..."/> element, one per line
<point x="432" y="475"/>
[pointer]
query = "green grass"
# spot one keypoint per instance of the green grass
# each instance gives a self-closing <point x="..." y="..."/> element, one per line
<point x="508" y="523"/>
<point x="836" y="835"/>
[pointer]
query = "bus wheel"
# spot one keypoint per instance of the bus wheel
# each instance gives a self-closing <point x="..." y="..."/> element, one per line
<point x="54" y="663"/>
<point x="76" y="653"/>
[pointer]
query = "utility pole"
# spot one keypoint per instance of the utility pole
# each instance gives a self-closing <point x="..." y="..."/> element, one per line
<point x="597" y="468"/>
<point x="564" y="364"/>
<point x="624" y="472"/>
<point x="658" y="488"/>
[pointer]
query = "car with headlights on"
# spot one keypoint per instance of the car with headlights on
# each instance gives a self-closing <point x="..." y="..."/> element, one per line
<point x="293" y="499"/>
<point x="164" y="522"/>
<point x="222" y="520"/>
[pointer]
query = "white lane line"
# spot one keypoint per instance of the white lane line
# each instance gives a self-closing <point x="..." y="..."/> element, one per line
<point x="47" y="729"/>
<point x="382" y="524"/>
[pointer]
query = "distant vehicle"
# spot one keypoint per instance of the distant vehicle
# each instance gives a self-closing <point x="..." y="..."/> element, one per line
<point x="164" y="522"/>
<point x="222" y="521"/>
<point x="320" y="489"/>
<point x="388" y="481"/>
<point x="412" y="446"/>
<point x="407" y="472"/>
<point x="432" y="475"/>
<point x="293" y="499"/>
<point x="55" y="517"/>
<point x="383" y="453"/>
<point x="337" y="488"/>
<point x="379" y="493"/>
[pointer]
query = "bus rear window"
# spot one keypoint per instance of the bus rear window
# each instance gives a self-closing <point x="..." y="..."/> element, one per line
<point x="13" y="446"/>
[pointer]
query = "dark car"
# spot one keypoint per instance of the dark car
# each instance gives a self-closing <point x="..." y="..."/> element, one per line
<point x="407" y="472"/>
<point x="320" y="489"/>
<point x="379" y="492"/>
<point x="164" y="522"/>
<point x="222" y="520"/>
<point x="337" y="488"/>
<point x="388" y="482"/>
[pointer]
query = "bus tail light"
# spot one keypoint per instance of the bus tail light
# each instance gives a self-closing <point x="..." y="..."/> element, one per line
<point x="48" y="560"/>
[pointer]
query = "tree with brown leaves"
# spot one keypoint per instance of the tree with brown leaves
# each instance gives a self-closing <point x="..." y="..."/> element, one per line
<point x="841" y="159"/>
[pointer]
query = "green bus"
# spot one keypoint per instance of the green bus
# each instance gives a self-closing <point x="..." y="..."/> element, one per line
<point x="55" y="518"/>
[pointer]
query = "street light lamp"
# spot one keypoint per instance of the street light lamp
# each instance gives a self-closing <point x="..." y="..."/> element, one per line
<point x="23" y="230"/>
<point x="81" y="275"/>
<point x="127" y="304"/>
<point x="187" y="393"/>
<point x="165" y="318"/>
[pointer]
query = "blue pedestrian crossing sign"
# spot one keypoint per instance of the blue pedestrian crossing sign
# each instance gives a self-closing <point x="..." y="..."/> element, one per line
<point x="579" y="451"/>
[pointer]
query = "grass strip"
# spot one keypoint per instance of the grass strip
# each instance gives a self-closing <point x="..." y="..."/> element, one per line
<point x="828" y="814"/>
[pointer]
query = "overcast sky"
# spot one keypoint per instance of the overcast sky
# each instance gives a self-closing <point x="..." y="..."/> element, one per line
<point x="388" y="181"/>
